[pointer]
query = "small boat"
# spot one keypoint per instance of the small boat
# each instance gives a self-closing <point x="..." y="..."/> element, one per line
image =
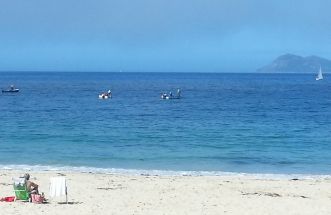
<point x="12" y="89"/>
<point x="171" y="96"/>
<point x="319" y="75"/>
<point x="107" y="95"/>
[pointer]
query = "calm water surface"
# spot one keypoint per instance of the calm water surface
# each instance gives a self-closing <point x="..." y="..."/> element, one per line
<point x="256" y="123"/>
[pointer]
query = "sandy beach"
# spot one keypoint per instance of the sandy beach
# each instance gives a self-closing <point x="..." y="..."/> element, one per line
<point x="91" y="193"/>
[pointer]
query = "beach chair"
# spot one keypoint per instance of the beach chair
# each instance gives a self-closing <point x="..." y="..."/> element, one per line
<point x="58" y="187"/>
<point x="20" y="189"/>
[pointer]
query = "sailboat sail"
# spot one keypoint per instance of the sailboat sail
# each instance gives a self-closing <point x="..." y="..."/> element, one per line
<point x="319" y="75"/>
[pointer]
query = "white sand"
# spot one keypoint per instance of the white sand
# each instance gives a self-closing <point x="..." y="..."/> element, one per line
<point x="129" y="194"/>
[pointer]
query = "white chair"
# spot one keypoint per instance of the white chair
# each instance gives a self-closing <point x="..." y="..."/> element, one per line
<point x="58" y="187"/>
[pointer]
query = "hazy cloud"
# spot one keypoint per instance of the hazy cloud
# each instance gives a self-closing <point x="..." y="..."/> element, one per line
<point x="188" y="34"/>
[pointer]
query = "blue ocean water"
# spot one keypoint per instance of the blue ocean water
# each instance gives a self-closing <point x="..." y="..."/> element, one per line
<point x="253" y="123"/>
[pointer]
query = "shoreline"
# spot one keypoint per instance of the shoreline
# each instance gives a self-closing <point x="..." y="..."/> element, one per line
<point x="158" y="172"/>
<point x="92" y="193"/>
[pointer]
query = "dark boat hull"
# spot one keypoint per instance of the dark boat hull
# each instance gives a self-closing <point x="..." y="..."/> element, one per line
<point x="11" y="91"/>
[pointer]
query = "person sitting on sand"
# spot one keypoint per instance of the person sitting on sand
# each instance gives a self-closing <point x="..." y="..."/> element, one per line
<point x="31" y="186"/>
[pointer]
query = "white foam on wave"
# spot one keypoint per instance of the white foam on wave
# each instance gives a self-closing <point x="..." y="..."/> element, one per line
<point x="119" y="171"/>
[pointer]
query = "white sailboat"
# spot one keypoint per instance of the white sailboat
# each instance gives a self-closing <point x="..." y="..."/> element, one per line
<point x="319" y="75"/>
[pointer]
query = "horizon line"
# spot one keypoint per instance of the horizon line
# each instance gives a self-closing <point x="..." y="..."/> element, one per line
<point x="194" y="72"/>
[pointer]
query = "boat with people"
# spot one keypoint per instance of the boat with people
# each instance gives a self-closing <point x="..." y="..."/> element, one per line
<point x="11" y="89"/>
<point x="319" y="75"/>
<point x="171" y="96"/>
<point x="105" y="95"/>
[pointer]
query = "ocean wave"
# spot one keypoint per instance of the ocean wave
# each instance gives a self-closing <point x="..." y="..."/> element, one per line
<point x="147" y="172"/>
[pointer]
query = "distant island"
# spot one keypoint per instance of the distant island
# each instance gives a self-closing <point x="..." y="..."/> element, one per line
<point x="290" y="63"/>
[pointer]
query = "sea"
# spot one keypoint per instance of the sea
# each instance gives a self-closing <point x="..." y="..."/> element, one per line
<point x="224" y="123"/>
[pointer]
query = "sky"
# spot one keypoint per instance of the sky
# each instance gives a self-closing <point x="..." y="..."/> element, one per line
<point x="159" y="35"/>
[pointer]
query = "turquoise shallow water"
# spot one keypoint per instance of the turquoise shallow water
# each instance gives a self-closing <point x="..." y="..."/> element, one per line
<point x="254" y="123"/>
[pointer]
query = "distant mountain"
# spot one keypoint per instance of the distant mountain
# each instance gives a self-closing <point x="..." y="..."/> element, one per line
<point x="290" y="63"/>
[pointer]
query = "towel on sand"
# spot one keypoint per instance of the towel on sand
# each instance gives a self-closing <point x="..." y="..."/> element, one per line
<point x="58" y="187"/>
